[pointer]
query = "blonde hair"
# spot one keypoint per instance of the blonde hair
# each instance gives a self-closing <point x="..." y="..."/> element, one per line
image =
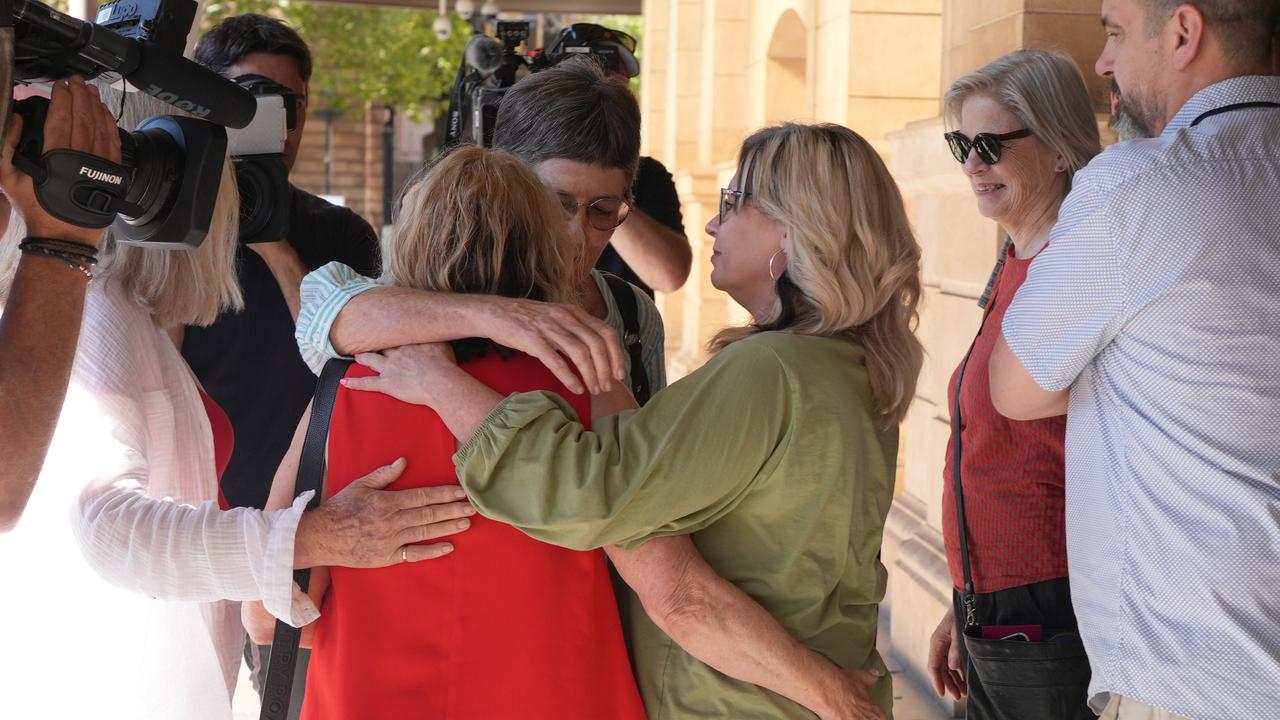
<point x="479" y="221"/>
<point x="1046" y="92"/>
<point x="180" y="286"/>
<point x="853" y="264"/>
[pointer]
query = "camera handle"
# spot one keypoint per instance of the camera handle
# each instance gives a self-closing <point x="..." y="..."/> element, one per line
<point x="75" y="187"/>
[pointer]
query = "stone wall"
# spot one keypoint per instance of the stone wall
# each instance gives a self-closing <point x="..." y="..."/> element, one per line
<point x="356" y="158"/>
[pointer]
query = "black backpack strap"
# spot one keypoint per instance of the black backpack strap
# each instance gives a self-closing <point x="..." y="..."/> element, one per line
<point x="624" y="296"/>
<point x="284" y="644"/>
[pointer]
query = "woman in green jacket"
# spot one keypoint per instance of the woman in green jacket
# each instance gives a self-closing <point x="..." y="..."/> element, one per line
<point x="744" y="504"/>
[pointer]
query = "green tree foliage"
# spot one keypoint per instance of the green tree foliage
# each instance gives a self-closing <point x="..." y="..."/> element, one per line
<point x="384" y="55"/>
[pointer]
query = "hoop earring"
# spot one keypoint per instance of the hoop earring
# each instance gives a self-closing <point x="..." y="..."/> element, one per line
<point x="771" y="259"/>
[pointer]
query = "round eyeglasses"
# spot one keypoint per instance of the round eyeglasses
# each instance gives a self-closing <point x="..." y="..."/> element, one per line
<point x="603" y="214"/>
<point x="988" y="146"/>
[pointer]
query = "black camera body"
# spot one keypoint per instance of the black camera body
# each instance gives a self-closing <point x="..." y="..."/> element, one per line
<point x="490" y="66"/>
<point x="257" y="152"/>
<point x="171" y="166"/>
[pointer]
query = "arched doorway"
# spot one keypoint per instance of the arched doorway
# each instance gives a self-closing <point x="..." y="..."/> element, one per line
<point x="786" y="96"/>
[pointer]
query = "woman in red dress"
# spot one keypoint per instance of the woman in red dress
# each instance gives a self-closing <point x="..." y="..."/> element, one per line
<point x="500" y="625"/>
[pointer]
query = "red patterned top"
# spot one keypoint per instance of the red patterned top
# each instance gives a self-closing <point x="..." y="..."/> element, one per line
<point x="1013" y="472"/>
<point x="505" y="626"/>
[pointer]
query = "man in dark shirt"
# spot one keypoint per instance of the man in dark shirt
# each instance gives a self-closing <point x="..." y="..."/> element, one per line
<point x="248" y="362"/>
<point x="650" y="249"/>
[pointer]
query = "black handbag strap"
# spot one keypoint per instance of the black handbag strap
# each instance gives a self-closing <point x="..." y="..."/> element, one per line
<point x="967" y="595"/>
<point x="624" y="295"/>
<point x="278" y="689"/>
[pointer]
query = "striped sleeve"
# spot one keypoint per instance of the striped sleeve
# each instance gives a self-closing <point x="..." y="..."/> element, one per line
<point x="324" y="293"/>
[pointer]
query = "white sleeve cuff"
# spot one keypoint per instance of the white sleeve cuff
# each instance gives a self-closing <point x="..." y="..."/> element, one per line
<point x="280" y="595"/>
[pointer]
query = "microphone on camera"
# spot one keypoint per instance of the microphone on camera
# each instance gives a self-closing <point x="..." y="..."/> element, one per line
<point x="191" y="87"/>
<point x="484" y="54"/>
<point x="89" y="49"/>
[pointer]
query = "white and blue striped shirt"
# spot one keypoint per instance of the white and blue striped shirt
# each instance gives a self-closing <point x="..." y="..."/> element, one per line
<point x="1157" y="303"/>
<point x="328" y="289"/>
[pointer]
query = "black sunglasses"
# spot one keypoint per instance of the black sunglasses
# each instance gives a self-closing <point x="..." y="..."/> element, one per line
<point x="987" y="145"/>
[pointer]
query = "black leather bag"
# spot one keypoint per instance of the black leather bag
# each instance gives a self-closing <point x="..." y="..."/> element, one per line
<point x="1016" y="679"/>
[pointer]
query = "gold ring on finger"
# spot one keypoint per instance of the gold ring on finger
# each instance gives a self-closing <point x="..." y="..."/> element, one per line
<point x="404" y="554"/>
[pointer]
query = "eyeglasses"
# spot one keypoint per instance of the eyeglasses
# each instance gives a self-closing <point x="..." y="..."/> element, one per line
<point x="603" y="214"/>
<point x="729" y="199"/>
<point x="987" y="145"/>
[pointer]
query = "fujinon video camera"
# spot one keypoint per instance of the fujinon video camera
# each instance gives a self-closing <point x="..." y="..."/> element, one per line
<point x="490" y="66"/>
<point x="163" y="191"/>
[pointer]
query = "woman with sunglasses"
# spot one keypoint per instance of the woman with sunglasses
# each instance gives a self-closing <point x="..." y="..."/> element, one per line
<point x="1024" y="125"/>
<point x="745" y="504"/>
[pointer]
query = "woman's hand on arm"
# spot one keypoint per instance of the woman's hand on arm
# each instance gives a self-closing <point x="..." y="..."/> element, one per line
<point x="562" y="337"/>
<point x="718" y="623"/>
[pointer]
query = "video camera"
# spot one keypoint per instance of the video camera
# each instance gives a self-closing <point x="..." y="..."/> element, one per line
<point x="490" y="66"/>
<point x="163" y="191"/>
<point x="257" y="152"/>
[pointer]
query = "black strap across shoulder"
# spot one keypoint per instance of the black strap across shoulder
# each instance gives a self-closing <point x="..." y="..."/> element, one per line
<point x="1235" y="106"/>
<point x="278" y="689"/>
<point x="624" y="295"/>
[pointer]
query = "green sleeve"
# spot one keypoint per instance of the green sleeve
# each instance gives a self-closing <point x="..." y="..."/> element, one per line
<point x="672" y="467"/>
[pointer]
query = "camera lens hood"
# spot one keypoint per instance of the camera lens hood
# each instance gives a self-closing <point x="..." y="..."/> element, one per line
<point x="187" y="194"/>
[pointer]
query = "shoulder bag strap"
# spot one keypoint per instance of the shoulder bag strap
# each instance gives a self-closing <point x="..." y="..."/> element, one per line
<point x="624" y="295"/>
<point x="967" y="598"/>
<point x="284" y="645"/>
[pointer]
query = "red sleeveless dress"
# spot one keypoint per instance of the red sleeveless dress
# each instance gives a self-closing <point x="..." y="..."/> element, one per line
<point x="505" y="626"/>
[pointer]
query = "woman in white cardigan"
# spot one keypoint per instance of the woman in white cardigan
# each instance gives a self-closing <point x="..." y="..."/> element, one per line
<point x="129" y="494"/>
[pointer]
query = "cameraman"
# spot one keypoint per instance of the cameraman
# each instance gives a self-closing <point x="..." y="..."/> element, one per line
<point x="248" y="361"/>
<point x="43" y="306"/>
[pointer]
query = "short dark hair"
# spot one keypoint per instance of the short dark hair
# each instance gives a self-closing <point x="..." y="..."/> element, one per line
<point x="1244" y="27"/>
<point x="233" y="38"/>
<point x="573" y="111"/>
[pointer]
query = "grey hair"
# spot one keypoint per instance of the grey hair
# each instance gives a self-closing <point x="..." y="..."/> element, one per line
<point x="1046" y="92"/>
<point x="573" y="111"/>
<point x="1243" y="27"/>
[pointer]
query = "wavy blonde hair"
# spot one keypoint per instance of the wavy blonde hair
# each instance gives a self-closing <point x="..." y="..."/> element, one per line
<point x="479" y="221"/>
<point x="853" y="264"/>
<point x="179" y="286"/>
